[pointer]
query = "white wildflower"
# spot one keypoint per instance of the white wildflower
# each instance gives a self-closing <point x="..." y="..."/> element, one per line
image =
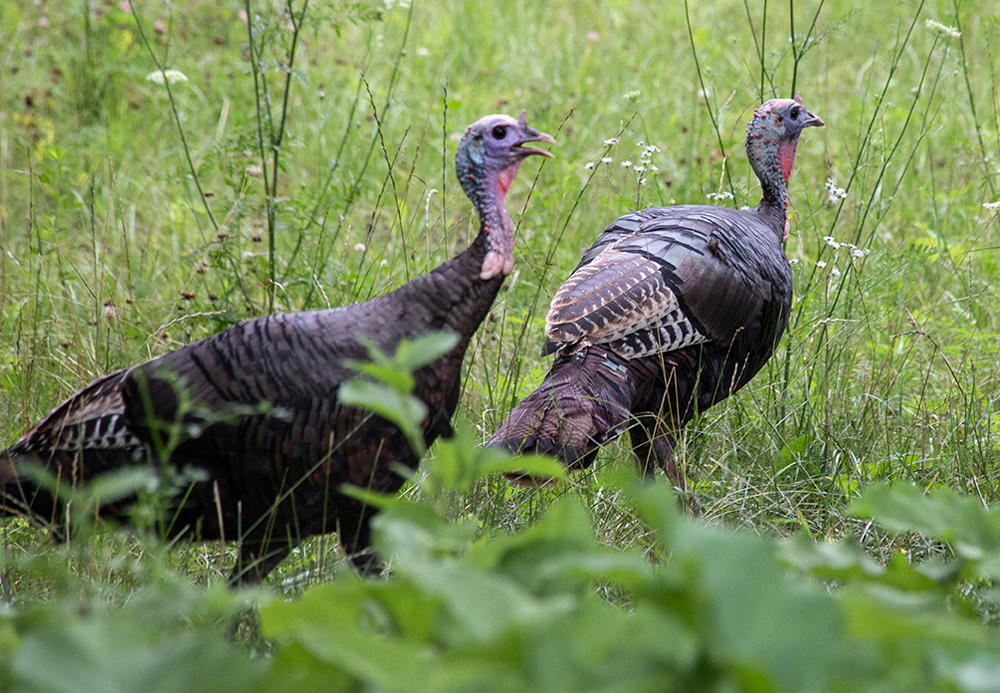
<point x="724" y="195"/>
<point x="821" y="263"/>
<point x="640" y="143"/>
<point x="653" y="168"/>
<point x="943" y="29"/>
<point x="859" y="252"/>
<point x="611" y="142"/>
<point x="632" y="95"/>
<point x="832" y="242"/>
<point x="652" y="148"/>
<point x="589" y="165"/>
<point x="639" y="169"/>
<point x="172" y="76"/>
<point x="360" y="247"/>
<point x="833" y="192"/>
<point x="992" y="205"/>
<point x="607" y="160"/>
<point x="423" y="52"/>
<point x="626" y="163"/>
<point x="793" y="261"/>
<point x="835" y="272"/>
<point x="642" y="181"/>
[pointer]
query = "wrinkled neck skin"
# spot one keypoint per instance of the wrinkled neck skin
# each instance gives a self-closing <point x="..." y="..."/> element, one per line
<point x="773" y="166"/>
<point x="495" y="223"/>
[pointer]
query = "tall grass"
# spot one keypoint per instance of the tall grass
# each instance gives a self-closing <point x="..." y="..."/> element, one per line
<point x="306" y="162"/>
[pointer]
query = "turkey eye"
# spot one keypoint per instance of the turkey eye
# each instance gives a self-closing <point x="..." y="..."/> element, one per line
<point x="499" y="132"/>
<point x="795" y="113"/>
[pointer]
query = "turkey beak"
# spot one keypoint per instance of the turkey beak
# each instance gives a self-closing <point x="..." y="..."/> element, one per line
<point x="813" y="121"/>
<point x="530" y="134"/>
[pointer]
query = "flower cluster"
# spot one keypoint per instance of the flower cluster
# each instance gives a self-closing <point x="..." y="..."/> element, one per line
<point x="942" y="29"/>
<point x="854" y="253"/>
<point x="834" y="194"/>
<point x="992" y="205"/>
<point x="854" y="250"/>
<point x="645" y="162"/>
<point x="720" y="196"/>
<point x="822" y="265"/>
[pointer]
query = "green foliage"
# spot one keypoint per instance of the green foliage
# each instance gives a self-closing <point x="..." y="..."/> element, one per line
<point x="555" y="608"/>
<point x="720" y="610"/>
<point x="134" y="220"/>
<point x="169" y="638"/>
<point x="387" y="392"/>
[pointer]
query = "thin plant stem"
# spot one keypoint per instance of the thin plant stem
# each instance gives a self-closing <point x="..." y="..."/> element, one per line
<point x="392" y="178"/>
<point x="269" y="208"/>
<point x="352" y="194"/>
<point x="758" y="49"/>
<point x="444" y="158"/>
<point x="277" y="136"/>
<point x="708" y="104"/>
<point x="972" y="101"/>
<point x="184" y="146"/>
<point x="763" y="43"/>
<point x="796" y="53"/>
<point x="325" y="187"/>
<point x="177" y="118"/>
<point x="795" y="50"/>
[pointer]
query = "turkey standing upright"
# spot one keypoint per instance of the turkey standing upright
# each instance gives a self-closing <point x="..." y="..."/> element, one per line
<point x="272" y="478"/>
<point x="672" y="310"/>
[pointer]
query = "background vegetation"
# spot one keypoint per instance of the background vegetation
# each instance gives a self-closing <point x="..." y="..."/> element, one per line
<point x="300" y="156"/>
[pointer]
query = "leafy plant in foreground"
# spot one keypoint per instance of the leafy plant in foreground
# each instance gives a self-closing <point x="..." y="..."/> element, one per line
<point x="720" y="610"/>
<point x="708" y="610"/>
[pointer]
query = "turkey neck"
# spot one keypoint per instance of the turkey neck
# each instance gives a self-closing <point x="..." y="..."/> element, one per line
<point x="455" y="292"/>
<point x="772" y="161"/>
<point x="479" y="270"/>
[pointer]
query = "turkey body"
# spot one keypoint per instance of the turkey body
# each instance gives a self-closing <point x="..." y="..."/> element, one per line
<point x="706" y="310"/>
<point x="247" y="424"/>
<point x="670" y="311"/>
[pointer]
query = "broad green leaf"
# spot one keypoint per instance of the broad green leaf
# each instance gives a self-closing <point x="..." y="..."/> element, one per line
<point x="971" y="529"/>
<point x="420" y="351"/>
<point x="459" y="463"/>
<point x="111" y="651"/>
<point x="405" y="411"/>
<point x="541" y="467"/>
<point x="398" y="379"/>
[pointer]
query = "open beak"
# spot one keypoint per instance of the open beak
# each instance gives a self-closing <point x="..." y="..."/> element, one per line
<point x="530" y="134"/>
<point x="533" y="135"/>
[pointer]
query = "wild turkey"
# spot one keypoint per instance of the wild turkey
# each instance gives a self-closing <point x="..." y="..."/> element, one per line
<point x="672" y="310"/>
<point x="271" y="478"/>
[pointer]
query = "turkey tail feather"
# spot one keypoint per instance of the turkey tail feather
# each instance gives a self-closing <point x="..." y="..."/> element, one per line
<point x="583" y="402"/>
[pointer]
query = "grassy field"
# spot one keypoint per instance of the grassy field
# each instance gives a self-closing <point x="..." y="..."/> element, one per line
<point x="136" y="218"/>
